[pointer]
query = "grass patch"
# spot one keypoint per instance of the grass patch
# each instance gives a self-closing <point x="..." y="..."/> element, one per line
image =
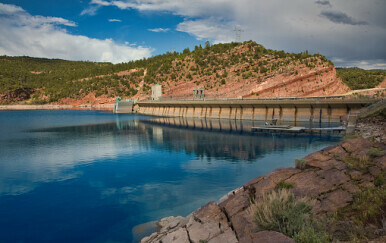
<point x="358" y="163"/>
<point x="279" y="211"/>
<point x="284" y="185"/>
<point x="367" y="207"/>
<point x="300" y="164"/>
<point x="349" y="136"/>
<point x="375" y="152"/>
<point x="310" y="235"/>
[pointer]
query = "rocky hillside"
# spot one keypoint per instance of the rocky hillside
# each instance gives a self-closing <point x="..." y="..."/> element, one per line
<point x="230" y="70"/>
<point x="250" y="70"/>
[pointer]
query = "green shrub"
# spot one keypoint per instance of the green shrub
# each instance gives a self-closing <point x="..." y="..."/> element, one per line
<point x="284" y="185"/>
<point x="300" y="164"/>
<point x="278" y="211"/>
<point x="379" y="181"/>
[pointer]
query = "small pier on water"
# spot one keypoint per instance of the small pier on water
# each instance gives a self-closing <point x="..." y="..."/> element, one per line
<point x="273" y="128"/>
<point x="294" y="130"/>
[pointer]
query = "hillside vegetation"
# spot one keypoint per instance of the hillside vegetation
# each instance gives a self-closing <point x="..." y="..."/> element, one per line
<point x="223" y="70"/>
<point x="357" y="78"/>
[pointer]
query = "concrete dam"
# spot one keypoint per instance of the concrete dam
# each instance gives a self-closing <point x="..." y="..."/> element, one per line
<point x="323" y="110"/>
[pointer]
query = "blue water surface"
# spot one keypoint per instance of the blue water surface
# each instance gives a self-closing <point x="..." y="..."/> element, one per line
<point x="92" y="176"/>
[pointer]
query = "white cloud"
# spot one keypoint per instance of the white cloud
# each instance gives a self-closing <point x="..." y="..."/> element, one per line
<point x="208" y="29"/>
<point x="21" y="17"/>
<point x="159" y="30"/>
<point x="10" y="9"/>
<point x="91" y="10"/>
<point x="357" y="32"/>
<point x="114" y="20"/>
<point x="365" y="64"/>
<point x="39" y="36"/>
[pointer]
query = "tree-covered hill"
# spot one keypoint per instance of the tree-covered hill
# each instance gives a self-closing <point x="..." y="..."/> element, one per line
<point x="357" y="78"/>
<point x="48" y="80"/>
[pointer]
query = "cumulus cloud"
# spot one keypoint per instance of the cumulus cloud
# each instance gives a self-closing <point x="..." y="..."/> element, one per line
<point x="114" y="20"/>
<point x="39" y="36"/>
<point x="341" y="18"/>
<point x="348" y="30"/>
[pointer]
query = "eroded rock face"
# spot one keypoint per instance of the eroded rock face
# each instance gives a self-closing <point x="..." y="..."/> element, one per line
<point x="329" y="179"/>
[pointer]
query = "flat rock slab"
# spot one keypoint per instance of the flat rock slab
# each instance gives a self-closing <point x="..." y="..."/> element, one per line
<point x="333" y="176"/>
<point x="317" y="159"/>
<point x="334" y="200"/>
<point x="309" y="184"/>
<point x="226" y="237"/>
<point x="178" y="236"/>
<point x="266" y="237"/>
<point x="166" y="224"/>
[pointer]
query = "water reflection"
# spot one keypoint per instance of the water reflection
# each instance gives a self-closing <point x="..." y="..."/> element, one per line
<point x="222" y="139"/>
<point x="73" y="180"/>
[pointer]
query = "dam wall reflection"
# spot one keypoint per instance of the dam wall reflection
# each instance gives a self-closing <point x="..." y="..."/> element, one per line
<point x="220" y="139"/>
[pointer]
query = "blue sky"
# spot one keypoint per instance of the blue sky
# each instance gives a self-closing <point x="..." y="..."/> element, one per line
<point x="351" y="33"/>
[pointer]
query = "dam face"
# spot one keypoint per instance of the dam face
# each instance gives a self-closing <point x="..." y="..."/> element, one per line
<point x="284" y="110"/>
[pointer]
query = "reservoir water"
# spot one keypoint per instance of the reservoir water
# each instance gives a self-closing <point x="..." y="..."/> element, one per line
<point x="92" y="176"/>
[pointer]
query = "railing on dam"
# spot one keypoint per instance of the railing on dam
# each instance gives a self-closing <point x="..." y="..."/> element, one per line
<point x="365" y="99"/>
<point x="216" y="98"/>
<point x="257" y="101"/>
